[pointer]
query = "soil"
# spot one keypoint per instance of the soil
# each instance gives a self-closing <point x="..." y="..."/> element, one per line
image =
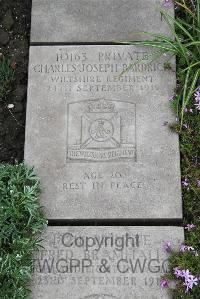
<point x="15" y="18"/>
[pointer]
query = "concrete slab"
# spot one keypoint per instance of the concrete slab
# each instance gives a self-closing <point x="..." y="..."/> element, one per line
<point x="94" y="20"/>
<point x="98" y="138"/>
<point x="103" y="262"/>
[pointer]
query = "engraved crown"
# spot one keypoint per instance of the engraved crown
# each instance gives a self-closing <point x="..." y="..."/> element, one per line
<point x="101" y="106"/>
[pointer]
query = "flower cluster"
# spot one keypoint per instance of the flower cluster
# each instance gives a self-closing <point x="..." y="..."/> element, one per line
<point x="189" y="279"/>
<point x="197" y="98"/>
<point x="190" y="226"/>
<point x="184" y="248"/>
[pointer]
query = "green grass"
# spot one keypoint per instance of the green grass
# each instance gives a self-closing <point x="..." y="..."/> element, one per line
<point x="185" y="45"/>
<point x="20" y="222"/>
<point x="6" y="76"/>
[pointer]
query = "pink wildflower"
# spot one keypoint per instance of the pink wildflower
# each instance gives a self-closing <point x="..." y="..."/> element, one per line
<point x="168" y="246"/>
<point x="164" y="283"/>
<point x="177" y="272"/>
<point x="190" y="226"/>
<point x="197" y="98"/>
<point x="185" y="182"/>
<point x="184" y="248"/>
<point x="198" y="183"/>
<point x="168" y="4"/>
<point x="186" y="274"/>
<point x="190" y="280"/>
<point x="189" y="284"/>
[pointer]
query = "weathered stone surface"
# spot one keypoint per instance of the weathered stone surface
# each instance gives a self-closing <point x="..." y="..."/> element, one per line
<point x="94" y="20"/>
<point x="98" y="139"/>
<point x="103" y="262"/>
